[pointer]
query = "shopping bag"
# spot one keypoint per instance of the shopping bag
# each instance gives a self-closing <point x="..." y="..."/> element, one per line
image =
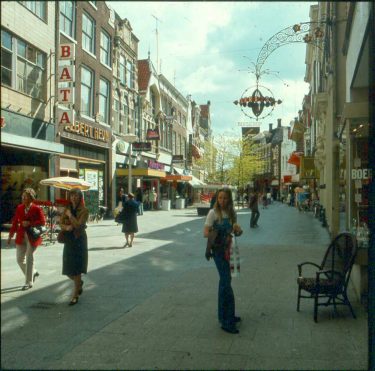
<point x="234" y="258"/>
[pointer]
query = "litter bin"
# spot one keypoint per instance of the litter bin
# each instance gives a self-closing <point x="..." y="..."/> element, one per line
<point x="180" y="203"/>
<point x="166" y="205"/>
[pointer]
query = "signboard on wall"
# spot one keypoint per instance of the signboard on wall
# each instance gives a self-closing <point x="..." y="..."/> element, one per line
<point x="152" y="134"/>
<point x="141" y="146"/>
<point x="91" y="176"/>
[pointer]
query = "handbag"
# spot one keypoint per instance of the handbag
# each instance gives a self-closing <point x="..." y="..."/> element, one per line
<point x="61" y="237"/>
<point x="234" y="258"/>
<point x="120" y="217"/>
<point x="37" y="231"/>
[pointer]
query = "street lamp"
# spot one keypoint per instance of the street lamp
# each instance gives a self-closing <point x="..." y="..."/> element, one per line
<point x="130" y="138"/>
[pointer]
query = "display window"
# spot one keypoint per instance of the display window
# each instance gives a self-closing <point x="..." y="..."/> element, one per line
<point x="360" y="176"/>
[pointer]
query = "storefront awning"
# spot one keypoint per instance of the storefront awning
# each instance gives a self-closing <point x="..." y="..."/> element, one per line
<point x="141" y="172"/>
<point x="287" y="178"/>
<point x="31" y="144"/>
<point x="295" y="158"/>
<point x="196" y="183"/>
<point x="178" y="178"/>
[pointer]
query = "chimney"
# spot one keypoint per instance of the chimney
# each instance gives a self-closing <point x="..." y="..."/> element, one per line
<point x="270" y="125"/>
<point x="278" y="123"/>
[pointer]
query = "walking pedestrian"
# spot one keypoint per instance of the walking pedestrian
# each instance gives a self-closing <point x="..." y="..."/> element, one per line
<point x="213" y="200"/>
<point x="153" y="199"/>
<point x="253" y="205"/>
<point x="27" y="215"/>
<point x="75" y="254"/>
<point x="146" y="199"/>
<point x="139" y="199"/>
<point x="221" y="221"/>
<point x="264" y="201"/>
<point x="269" y="198"/>
<point x="130" y="226"/>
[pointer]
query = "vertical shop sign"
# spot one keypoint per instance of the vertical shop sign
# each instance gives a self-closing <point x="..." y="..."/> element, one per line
<point x="67" y="53"/>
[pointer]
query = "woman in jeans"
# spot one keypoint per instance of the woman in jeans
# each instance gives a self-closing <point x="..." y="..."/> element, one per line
<point x="27" y="215"/>
<point x="221" y="220"/>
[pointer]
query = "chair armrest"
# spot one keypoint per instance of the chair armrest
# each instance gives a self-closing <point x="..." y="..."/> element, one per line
<point x="326" y="272"/>
<point x="306" y="263"/>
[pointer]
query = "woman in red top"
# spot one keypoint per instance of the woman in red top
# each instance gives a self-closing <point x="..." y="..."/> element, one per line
<point x="27" y="215"/>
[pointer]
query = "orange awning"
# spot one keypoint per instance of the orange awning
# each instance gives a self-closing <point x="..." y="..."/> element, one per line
<point x="295" y="159"/>
<point x="178" y="178"/>
<point x="287" y="178"/>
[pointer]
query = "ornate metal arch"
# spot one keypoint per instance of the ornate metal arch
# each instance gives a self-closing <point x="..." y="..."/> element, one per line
<point x="307" y="32"/>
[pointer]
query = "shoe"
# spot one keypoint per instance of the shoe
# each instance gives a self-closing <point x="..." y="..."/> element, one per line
<point x="81" y="290"/>
<point x="130" y="245"/>
<point x="74" y="301"/>
<point x="126" y="244"/>
<point x="26" y="287"/>
<point x="231" y="330"/>
<point x="36" y="274"/>
<point x="237" y="319"/>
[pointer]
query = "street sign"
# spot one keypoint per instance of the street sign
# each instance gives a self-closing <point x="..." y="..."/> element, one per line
<point x="248" y="124"/>
<point x="141" y="146"/>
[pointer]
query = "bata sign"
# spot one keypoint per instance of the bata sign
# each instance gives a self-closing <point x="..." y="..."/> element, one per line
<point x="66" y="75"/>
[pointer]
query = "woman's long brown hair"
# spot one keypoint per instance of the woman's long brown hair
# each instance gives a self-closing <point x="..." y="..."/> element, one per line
<point x="230" y="208"/>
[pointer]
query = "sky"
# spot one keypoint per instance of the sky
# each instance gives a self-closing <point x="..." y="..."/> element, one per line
<point x="206" y="48"/>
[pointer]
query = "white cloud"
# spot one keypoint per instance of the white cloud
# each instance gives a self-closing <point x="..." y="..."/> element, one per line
<point x="201" y="49"/>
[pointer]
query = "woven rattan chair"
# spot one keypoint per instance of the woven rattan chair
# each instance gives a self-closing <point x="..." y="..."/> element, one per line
<point x="331" y="277"/>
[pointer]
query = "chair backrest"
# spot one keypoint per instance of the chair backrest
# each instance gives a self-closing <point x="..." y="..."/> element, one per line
<point x="340" y="256"/>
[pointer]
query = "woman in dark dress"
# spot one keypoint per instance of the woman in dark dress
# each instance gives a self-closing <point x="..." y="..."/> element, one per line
<point x="75" y="256"/>
<point x="130" y="226"/>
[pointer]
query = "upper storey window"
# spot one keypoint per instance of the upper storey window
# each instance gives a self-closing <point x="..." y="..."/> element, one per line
<point x="23" y="67"/>
<point x="88" y="33"/>
<point x="37" y="7"/>
<point x="105" y="49"/>
<point x="67" y="15"/>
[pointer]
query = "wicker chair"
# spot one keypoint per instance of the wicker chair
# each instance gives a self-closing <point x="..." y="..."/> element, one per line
<point x="331" y="277"/>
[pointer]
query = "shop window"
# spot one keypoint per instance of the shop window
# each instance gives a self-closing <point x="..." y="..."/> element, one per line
<point x="360" y="179"/>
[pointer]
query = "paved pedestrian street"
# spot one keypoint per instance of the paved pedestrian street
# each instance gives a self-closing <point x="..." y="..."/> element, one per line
<point x="154" y="306"/>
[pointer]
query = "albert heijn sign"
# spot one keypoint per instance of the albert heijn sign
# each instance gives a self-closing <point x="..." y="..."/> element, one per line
<point x="66" y="52"/>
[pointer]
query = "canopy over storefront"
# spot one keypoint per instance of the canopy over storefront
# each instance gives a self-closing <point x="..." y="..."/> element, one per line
<point x="295" y="158"/>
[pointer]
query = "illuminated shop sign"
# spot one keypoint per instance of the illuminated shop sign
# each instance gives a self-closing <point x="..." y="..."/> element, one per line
<point x="155" y="165"/>
<point x="88" y="131"/>
<point x="152" y="134"/>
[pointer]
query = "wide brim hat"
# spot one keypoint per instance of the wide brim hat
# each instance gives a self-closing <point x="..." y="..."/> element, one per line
<point x="131" y="195"/>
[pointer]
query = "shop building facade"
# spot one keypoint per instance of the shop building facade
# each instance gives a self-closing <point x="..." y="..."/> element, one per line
<point x="126" y="105"/>
<point x="89" y="27"/>
<point x="27" y="100"/>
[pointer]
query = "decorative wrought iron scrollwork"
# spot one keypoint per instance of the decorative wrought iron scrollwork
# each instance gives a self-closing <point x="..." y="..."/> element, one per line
<point x="307" y="32"/>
